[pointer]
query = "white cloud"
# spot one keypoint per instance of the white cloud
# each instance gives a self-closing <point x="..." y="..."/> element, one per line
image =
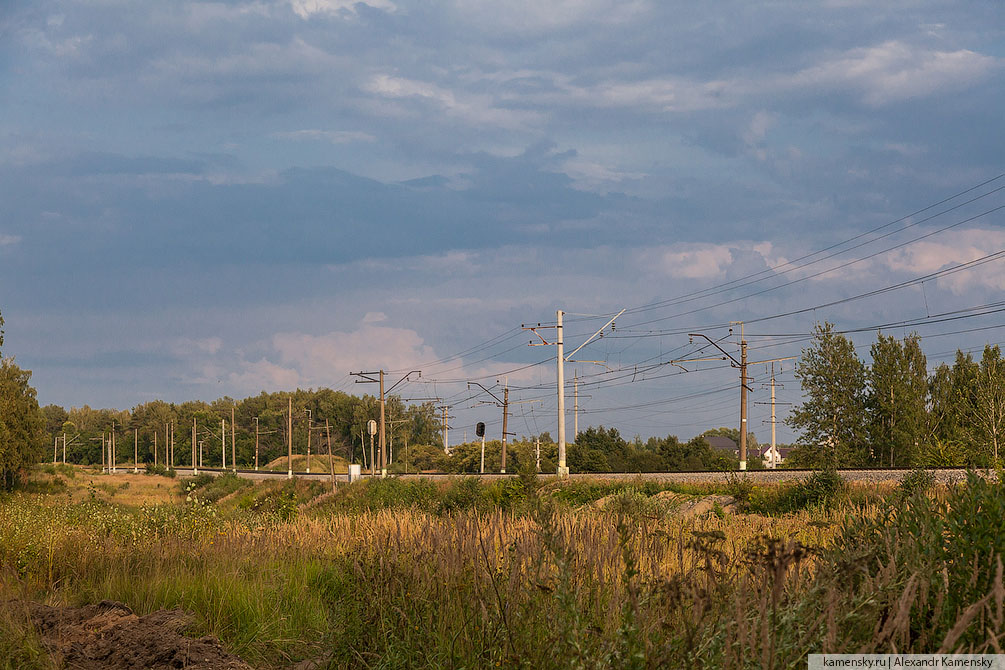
<point x="9" y="240"/>
<point x="333" y="136"/>
<point x="927" y="256"/>
<point x="691" y="260"/>
<point x="533" y="16"/>
<point x="307" y="8"/>
<point x="475" y="109"/>
<point x="895" y="71"/>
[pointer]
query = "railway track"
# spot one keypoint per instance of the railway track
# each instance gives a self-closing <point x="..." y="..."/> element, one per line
<point x="944" y="475"/>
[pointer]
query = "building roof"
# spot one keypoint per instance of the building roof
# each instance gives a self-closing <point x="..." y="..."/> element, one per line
<point x="721" y="443"/>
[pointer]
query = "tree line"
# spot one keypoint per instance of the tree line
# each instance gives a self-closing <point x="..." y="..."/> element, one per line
<point x="160" y="424"/>
<point x="893" y="413"/>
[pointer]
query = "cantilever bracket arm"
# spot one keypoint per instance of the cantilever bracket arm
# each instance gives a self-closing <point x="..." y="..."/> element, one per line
<point x="735" y="363"/>
<point x="500" y="402"/>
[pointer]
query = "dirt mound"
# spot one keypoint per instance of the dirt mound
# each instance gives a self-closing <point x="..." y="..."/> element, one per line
<point x="706" y="504"/>
<point x="108" y="636"/>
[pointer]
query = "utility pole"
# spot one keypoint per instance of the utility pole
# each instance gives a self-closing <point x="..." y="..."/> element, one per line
<point x="505" y="419"/>
<point x="561" y="358"/>
<point x="367" y="378"/>
<point x="171" y="452"/>
<point x="289" y="439"/>
<point x="113" y="460"/>
<point x="446" y="429"/>
<point x="563" y="469"/>
<point x="504" y="403"/>
<point x="64" y="447"/>
<point x="256" y="443"/>
<point x="103" y="458"/>
<point x="383" y="453"/>
<point x="223" y="442"/>
<point x="309" y="422"/>
<point x="575" y="411"/>
<point x="155" y="447"/>
<point x="744" y="388"/>
<point x="136" y="451"/>
<point x="195" y="469"/>
<point x="773" y="452"/>
<point x="233" y="443"/>
<point x="537" y="449"/>
<point x="331" y="461"/>
<point x="55" y="448"/>
<point x="743" y="399"/>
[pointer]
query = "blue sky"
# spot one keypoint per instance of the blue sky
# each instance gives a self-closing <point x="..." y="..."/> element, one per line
<point x="201" y="199"/>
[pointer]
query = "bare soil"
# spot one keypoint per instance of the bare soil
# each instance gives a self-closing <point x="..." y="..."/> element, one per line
<point x="108" y="636"/>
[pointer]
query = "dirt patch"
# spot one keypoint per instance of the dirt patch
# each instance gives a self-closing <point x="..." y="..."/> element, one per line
<point x="108" y="636"/>
<point x="706" y="504"/>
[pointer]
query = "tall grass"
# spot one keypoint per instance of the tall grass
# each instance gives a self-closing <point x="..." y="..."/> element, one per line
<point x="397" y="576"/>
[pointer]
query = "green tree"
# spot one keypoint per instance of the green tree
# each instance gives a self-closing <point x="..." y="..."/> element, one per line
<point x="988" y="410"/>
<point x="22" y="425"/>
<point x="832" y="418"/>
<point x="897" y="400"/>
<point x="952" y="402"/>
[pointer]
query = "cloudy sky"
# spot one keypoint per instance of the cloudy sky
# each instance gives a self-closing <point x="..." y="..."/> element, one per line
<point x="201" y="199"/>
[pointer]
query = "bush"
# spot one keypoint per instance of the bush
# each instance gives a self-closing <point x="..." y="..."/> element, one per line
<point x="819" y="489"/>
<point x="164" y="471"/>
<point x="916" y="482"/>
<point x="463" y="494"/>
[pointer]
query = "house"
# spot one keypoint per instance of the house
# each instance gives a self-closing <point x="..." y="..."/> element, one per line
<point x="723" y="444"/>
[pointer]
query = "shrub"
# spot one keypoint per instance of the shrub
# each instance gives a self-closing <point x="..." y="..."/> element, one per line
<point x="465" y="493"/>
<point x="916" y="482"/>
<point x="164" y="471"/>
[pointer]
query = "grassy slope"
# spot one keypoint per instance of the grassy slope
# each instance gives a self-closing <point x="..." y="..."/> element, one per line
<point x="413" y="574"/>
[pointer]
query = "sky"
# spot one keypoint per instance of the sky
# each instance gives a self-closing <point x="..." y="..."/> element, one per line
<point x="207" y="199"/>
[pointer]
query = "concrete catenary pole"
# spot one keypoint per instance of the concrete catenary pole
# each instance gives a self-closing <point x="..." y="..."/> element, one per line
<point x="136" y="450"/>
<point x="309" y="422"/>
<point x="223" y="443"/>
<point x="773" y="461"/>
<point x="743" y="401"/>
<point x="233" y="442"/>
<point x="64" y="448"/>
<point x="563" y="468"/>
<point x="331" y="460"/>
<point x="575" y="406"/>
<point x="195" y="469"/>
<point x="383" y="444"/>
<point x="289" y="439"/>
<point x="256" y="443"/>
<point x="502" y="469"/>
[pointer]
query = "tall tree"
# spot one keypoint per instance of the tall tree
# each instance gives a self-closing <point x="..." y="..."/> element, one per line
<point x="22" y="426"/>
<point x="832" y="418"/>
<point x="988" y="416"/>
<point x="953" y="398"/>
<point x="897" y="400"/>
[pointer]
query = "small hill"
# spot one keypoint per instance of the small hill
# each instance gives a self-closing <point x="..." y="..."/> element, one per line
<point x="318" y="464"/>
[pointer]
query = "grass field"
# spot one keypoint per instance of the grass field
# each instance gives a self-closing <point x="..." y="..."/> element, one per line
<point x="402" y="574"/>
